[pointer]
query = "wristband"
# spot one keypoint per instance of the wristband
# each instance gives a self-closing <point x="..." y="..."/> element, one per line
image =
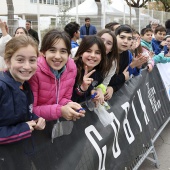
<point x="80" y="91"/>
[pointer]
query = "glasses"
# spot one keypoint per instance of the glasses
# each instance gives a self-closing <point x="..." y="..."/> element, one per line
<point x="136" y="38"/>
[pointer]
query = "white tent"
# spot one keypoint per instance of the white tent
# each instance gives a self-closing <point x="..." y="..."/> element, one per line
<point x="88" y="7"/>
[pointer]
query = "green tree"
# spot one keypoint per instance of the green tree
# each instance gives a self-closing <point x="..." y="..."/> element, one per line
<point x="166" y="4"/>
<point x="10" y="8"/>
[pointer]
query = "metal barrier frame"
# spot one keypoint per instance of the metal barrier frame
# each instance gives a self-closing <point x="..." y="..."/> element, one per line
<point x="151" y="150"/>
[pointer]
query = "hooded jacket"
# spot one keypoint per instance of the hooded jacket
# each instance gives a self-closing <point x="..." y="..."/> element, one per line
<point x="50" y="93"/>
<point x="15" y="109"/>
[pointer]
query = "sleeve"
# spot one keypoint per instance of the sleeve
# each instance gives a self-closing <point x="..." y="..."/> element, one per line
<point x="117" y="81"/>
<point x="160" y="58"/>
<point x="77" y="96"/>
<point x="135" y="71"/>
<point x="10" y="133"/>
<point x="48" y="112"/>
<point x="95" y="31"/>
<point x="36" y="36"/>
<point x="3" y="41"/>
<point x="156" y="47"/>
<point x="110" y="74"/>
<point x="81" y="33"/>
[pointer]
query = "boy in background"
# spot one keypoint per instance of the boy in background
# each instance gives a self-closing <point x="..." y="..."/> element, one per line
<point x="158" y="42"/>
<point x="72" y="29"/>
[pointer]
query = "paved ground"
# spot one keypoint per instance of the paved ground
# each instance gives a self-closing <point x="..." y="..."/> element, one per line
<point x="162" y="146"/>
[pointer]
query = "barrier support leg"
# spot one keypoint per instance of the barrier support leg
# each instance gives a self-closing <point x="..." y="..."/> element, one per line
<point x="155" y="157"/>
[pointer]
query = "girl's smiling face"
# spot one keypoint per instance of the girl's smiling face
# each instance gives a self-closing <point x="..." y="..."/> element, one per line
<point x="57" y="55"/>
<point x="108" y="42"/>
<point x="92" y="57"/>
<point x="23" y="63"/>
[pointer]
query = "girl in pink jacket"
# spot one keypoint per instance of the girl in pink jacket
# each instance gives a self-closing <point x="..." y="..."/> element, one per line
<point x="53" y="82"/>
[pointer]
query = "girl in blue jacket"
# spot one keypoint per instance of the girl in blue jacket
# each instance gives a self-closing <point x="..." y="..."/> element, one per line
<point x="16" y="118"/>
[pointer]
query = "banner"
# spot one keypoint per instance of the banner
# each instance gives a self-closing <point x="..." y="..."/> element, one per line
<point x="164" y="70"/>
<point x="137" y="111"/>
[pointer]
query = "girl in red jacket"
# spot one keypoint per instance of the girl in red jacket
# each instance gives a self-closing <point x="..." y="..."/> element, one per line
<point x="53" y="81"/>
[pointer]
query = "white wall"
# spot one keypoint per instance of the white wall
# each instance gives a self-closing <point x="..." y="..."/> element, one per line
<point x="25" y="7"/>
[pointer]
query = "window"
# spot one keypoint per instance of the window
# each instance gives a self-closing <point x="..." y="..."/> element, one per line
<point x="33" y="1"/>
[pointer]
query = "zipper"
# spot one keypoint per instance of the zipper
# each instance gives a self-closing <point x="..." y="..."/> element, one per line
<point x="57" y="84"/>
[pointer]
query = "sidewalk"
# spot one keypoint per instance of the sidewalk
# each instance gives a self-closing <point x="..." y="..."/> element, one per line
<point x="162" y="146"/>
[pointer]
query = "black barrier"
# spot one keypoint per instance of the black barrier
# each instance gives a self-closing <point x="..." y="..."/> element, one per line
<point x="137" y="111"/>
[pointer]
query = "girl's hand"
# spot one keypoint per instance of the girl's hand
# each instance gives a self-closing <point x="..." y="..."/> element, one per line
<point x="31" y="124"/>
<point x="151" y="54"/>
<point x="138" y="61"/>
<point x="109" y="93"/>
<point x="99" y="98"/>
<point x="72" y="111"/>
<point x="86" y="80"/>
<point x="40" y="124"/>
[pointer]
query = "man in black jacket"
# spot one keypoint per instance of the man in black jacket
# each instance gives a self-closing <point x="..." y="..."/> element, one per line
<point x="32" y="32"/>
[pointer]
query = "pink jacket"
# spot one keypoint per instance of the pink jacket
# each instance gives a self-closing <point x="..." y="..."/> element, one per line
<point x="50" y="94"/>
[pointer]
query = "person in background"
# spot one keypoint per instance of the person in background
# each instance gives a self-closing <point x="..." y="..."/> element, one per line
<point x="112" y="25"/>
<point x="53" y="82"/>
<point x="20" y="31"/>
<point x="32" y="32"/>
<point x="137" y="51"/>
<point x="91" y="63"/>
<point x="87" y="29"/>
<point x="17" y="121"/>
<point x="5" y="37"/>
<point x="154" y="24"/>
<point x="146" y="43"/>
<point x="112" y="58"/>
<point x="164" y="56"/>
<point x="167" y="26"/>
<point x="72" y="29"/>
<point x="127" y="64"/>
<point x="158" y="42"/>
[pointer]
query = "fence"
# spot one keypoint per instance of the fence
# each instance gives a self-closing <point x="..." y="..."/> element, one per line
<point x="139" y="112"/>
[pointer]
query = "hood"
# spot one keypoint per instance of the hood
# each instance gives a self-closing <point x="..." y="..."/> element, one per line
<point x="8" y="79"/>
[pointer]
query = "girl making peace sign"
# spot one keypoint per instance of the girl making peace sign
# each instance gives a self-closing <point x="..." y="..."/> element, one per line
<point x="91" y="63"/>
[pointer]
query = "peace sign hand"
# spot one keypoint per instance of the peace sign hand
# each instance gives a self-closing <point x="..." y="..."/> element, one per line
<point x="86" y="80"/>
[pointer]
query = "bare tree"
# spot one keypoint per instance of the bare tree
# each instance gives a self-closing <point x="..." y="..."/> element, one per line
<point x="136" y="4"/>
<point x="10" y="8"/>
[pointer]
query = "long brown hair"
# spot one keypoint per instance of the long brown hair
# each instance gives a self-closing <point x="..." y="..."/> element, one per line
<point x="86" y="43"/>
<point x="113" y="55"/>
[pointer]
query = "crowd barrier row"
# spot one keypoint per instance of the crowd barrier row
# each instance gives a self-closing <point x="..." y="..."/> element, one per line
<point x="138" y="111"/>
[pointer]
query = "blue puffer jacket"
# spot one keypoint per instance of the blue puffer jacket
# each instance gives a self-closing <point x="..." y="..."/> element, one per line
<point x="15" y="109"/>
